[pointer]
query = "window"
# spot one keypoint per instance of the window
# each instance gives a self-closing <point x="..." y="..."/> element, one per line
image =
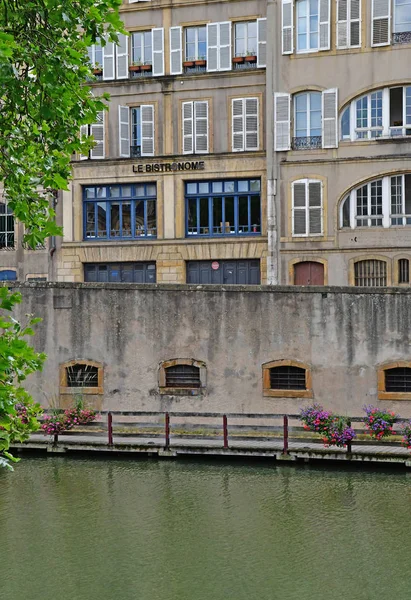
<point x="8" y="275"/>
<point x="81" y="376"/>
<point x="369" y="116"/>
<point x="245" y="43"/>
<point x="223" y="272"/>
<point x="312" y="25"/>
<point x="196" y="43"/>
<point x="402" y="21"/>
<point x="96" y="130"/>
<point x="307" y="120"/>
<point x="195" y="127"/>
<point x="394" y="381"/>
<point x="307" y="25"/>
<point x="182" y="376"/>
<point x="221" y="208"/>
<point x="369" y="205"/>
<point x="141" y="48"/>
<point x="307" y="218"/>
<point x="136" y="131"/>
<point x="403" y="273"/>
<point x="6" y="227"/>
<point x="348" y="24"/>
<point x="128" y="272"/>
<point x="245" y="124"/>
<point x="95" y="55"/>
<point x="370" y="273"/>
<point x="119" y="212"/>
<point x="111" y="60"/>
<point x="287" y="378"/>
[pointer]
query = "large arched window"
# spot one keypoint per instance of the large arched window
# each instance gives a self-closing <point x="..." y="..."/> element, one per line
<point x="6" y="227"/>
<point x="384" y="202"/>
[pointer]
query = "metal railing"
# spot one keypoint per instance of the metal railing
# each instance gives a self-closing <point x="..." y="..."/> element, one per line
<point x="403" y="37"/>
<point x="307" y="143"/>
<point x="135" y="151"/>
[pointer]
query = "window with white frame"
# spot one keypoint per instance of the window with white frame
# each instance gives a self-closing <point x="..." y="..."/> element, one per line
<point x="402" y="21"/>
<point x="245" y="38"/>
<point x="307" y="120"/>
<point x="245" y="124"/>
<point x="307" y="208"/>
<point x="385" y="202"/>
<point x="110" y="59"/>
<point x="6" y="227"/>
<point x="312" y="25"/>
<point x="390" y="22"/>
<point x="383" y="113"/>
<point x="96" y="130"/>
<point x="136" y="131"/>
<point x="195" y="127"/>
<point x="348" y="24"/>
<point x="196" y="43"/>
<point x="95" y="55"/>
<point x="141" y="48"/>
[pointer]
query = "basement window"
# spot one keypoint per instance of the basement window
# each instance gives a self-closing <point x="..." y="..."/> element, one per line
<point x="287" y="379"/>
<point x="81" y="377"/>
<point x="394" y="381"/>
<point x="182" y="376"/>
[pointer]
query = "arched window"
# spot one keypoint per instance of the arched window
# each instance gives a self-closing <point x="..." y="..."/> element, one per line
<point x="6" y="227"/>
<point x="307" y="210"/>
<point x="182" y="376"/>
<point x="394" y="381"/>
<point x="370" y="273"/>
<point x="81" y="377"/>
<point x="287" y="378"/>
<point x="307" y="120"/>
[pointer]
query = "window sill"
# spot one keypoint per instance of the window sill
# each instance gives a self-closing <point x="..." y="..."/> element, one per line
<point x="269" y="393"/>
<point x="78" y="391"/>
<point x="393" y="138"/>
<point x="182" y="391"/>
<point x="394" y="396"/>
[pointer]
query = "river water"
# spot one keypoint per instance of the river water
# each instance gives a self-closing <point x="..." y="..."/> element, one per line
<point x="79" y="529"/>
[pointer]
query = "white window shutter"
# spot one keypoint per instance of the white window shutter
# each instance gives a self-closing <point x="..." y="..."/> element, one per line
<point x="122" y="56"/>
<point x="176" y="51"/>
<point x="224" y="48"/>
<point x="97" y="131"/>
<point x="261" y="42"/>
<point x="381" y="23"/>
<point x="158" y="51"/>
<point x="91" y="51"/>
<point x="299" y="209"/>
<point x="324" y="27"/>
<point x="124" y="130"/>
<point x="83" y="134"/>
<point x="282" y="120"/>
<point x="342" y="23"/>
<point x="212" y="46"/>
<point x="147" y="130"/>
<point x="237" y="118"/>
<point x="251" y="119"/>
<point x="188" y="128"/>
<point x="330" y="118"/>
<point x="315" y="209"/>
<point x="287" y="26"/>
<point x="355" y="23"/>
<point x="108" y="61"/>
<point x="201" y="127"/>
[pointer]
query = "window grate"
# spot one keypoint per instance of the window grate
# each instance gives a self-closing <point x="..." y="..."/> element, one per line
<point x="287" y="378"/>
<point x="403" y="270"/>
<point x="371" y="273"/>
<point x="398" y="379"/>
<point x="82" y="376"/>
<point x="183" y="376"/>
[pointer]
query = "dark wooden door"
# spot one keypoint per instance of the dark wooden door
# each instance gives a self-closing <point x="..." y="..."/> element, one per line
<point x="309" y="273"/>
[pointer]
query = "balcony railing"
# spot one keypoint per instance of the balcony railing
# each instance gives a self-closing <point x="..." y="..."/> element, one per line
<point x="402" y="37"/>
<point x="7" y="241"/>
<point x="307" y="143"/>
<point x="135" y="151"/>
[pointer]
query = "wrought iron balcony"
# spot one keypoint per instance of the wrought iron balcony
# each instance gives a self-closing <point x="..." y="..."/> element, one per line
<point x="7" y="241"/>
<point x="135" y="151"/>
<point x="306" y="143"/>
<point x="402" y="37"/>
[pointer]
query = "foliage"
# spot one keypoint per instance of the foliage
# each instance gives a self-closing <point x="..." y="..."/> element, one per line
<point x="61" y="422"/>
<point x="335" y="430"/>
<point x="43" y="69"/>
<point x="18" y="412"/>
<point x="379" y="421"/>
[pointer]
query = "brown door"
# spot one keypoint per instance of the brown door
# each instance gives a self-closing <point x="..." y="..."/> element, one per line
<point x="309" y="273"/>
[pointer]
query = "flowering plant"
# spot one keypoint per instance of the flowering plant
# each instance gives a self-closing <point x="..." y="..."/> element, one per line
<point x="334" y="429"/>
<point x="58" y="423"/>
<point x="406" y="431"/>
<point x="379" y="421"/>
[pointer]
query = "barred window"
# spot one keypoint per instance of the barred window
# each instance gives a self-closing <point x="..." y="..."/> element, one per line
<point x="403" y="270"/>
<point x="370" y="273"/>
<point x="287" y="378"/>
<point x="398" y="379"/>
<point x="82" y="375"/>
<point x="183" y="376"/>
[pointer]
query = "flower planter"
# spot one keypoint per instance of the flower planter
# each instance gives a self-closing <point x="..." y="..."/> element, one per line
<point x="238" y="59"/>
<point x="188" y="63"/>
<point x="250" y="59"/>
<point x="135" y="68"/>
<point x="200" y="63"/>
<point x="146" y="67"/>
<point x="97" y="71"/>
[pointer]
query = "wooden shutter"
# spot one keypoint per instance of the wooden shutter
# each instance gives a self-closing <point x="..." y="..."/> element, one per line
<point x="158" y="51"/>
<point x="108" y="61"/>
<point x="381" y="23"/>
<point x="122" y="56"/>
<point x="237" y="118"/>
<point x="251" y="123"/>
<point x="97" y="131"/>
<point x="282" y="121"/>
<point x="176" y="51"/>
<point x="324" y="27"/>
<point x="261" y="42"/>
<point x="201" y="127"/>
<point x="299" y="209"/>
<point x="188" y="128"/>
<point x="330" y="118"/>
<point x="224" y="46"/>
<point x="147" y="130"/>
<point x="212" y="46"/>
<point x="83" y="134"/>
<point x="315" y="225"/>
<point x="287" y="26"/>
<point x="342" y="23"/>
<point x="354" y="23"/>
<point x="124" y="130"/>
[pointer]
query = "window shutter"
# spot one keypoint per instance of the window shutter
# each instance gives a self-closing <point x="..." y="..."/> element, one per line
<point x="282" y="121"/>
<point x="330" y="118"/>
<point x="251" y="123"/>
<point x="122" y="56"/>
<point x="342" y="23"/>
<point x="315" y="208"/>
<point x="324" y="35"/>
<point x="97" y="131"/>
<point x="201" y="127"/>
<point x="188" y="128"/>
<point x="83" y="134"/>
<point x="299" y="217"/>
<point x="147" y="130"/>
<point x="176" y="51"/>
<point x="212" y="46"/>
<point x="381" y="22"/>
<point x="238" y="124"/>
<point x="355" y="23"/>
<point x="287" y="26"/>
<point x="108" y="61"/>
<point x="261" y="42"/>
<point x="224" y="48"/>
<point x="124" y="130"/>
<point x="158" y="51"/>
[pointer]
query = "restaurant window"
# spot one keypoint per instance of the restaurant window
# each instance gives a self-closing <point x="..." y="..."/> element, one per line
<point x="223" y="208"/>
<point x="127" y="272"/>
<point x="120" y="212"/>
<point x="287" y="378"/>
<point x="182" y="376"/>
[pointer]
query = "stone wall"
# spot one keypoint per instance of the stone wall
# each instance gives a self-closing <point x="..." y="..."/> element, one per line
<point x="341" y="334"/>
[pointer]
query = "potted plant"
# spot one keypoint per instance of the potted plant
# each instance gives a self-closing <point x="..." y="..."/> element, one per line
<point x="146" y="66"/>
<point x="200" y="61"/>
<point x="238" y="59"/>
<point x="189" y="62"/>
<point x="335" y="430"/>
<point x="379" y="422"/>
<point x="135" y="66"/>
<point x="250" y="56"/>
<point x="97" y="69"/>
